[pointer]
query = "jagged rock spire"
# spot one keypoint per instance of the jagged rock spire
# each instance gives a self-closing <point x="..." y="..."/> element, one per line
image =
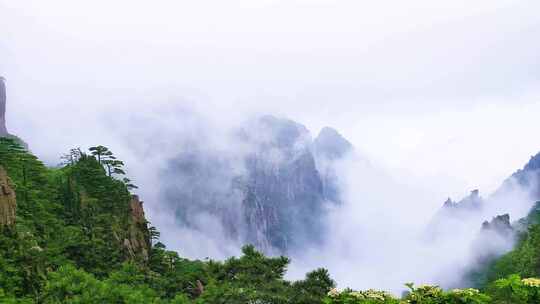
<point x="3" y="129"/>
<point x="331" y="145"/>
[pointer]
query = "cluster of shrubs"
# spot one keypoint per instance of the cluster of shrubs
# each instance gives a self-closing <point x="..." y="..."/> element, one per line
<point x="510" y="290"/>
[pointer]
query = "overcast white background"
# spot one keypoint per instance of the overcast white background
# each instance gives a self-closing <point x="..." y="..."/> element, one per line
<point x="445" y="94"/>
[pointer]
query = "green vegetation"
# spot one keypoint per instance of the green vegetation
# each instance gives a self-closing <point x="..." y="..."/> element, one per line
<point x="510" y="290"/>
<point x="77" y="239"/>
<point x="80" y="237"/>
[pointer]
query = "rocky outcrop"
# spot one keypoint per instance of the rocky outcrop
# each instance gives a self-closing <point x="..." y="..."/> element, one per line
<point x="8" y="202"/>
<point x="471" y="202"/>
<point x="453" y="216"/>
<point x="137" y="240"/>
<point x="3" y="129"/>
<point x="499" y="224"/>
<point x="330" y="145"/>
<point x="136" y="210"/>
<point x="494" y="239"/>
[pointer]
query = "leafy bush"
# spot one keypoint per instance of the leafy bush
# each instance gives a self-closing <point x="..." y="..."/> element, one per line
<point x="513" y="289"/>
<point x="359" y="297"/>
<point x="425" y="294"/>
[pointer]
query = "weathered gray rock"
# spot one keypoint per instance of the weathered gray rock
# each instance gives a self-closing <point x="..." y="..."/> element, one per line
<point x="3" y="128"/>
<point x="499" y="224"/>
<point x="8" y="201"/>
<point x="331" y="145"/>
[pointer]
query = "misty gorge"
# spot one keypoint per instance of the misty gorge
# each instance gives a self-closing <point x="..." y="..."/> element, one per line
<point x="269" y="152"/>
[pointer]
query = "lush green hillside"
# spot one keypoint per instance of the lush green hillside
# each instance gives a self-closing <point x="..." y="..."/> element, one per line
<point x="76" y="234"/>
<point x="81" y="237"/>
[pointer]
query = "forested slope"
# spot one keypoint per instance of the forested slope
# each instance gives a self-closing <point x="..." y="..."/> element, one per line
<point x="77" y="234"/>
<point x="80" y="236"/>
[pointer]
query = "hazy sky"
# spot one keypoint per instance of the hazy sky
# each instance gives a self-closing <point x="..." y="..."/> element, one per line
<point x="444" y="93"/>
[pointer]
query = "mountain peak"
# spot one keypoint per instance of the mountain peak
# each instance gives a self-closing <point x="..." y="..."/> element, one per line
<point x="274" y="131"/>
<point x="534" y="163"/>
<point x="331" y="144"/>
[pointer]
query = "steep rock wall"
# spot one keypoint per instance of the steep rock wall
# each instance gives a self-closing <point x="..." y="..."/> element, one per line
<point x="137" y="238"/>
<point x="3" y="129"/>
<point x="8" y="203"/>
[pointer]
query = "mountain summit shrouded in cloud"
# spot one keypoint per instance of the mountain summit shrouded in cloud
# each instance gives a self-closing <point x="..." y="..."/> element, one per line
<point x="3" y="109"/>
<point x="274" y="194"/>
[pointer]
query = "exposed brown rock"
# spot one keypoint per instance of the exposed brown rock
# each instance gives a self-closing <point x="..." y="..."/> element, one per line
<point x="8" y="202"/>
<point x="137" y="241"/>
<point x="200" y="288"/>
<point x="136" y="209"/>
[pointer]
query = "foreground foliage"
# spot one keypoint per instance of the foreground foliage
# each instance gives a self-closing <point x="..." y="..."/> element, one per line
<point x="510" y="290"/>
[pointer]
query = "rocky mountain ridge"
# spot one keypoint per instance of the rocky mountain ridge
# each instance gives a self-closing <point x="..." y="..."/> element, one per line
<point x="526" y="180"/>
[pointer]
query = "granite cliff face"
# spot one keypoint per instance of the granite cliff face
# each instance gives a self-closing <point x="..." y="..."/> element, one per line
<point x="273" y="194"/>
<point x="137" y="239"/>
<point x="3" y="128"/>
<point x="8" y="202"/>
<point x="284" y="194"/>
